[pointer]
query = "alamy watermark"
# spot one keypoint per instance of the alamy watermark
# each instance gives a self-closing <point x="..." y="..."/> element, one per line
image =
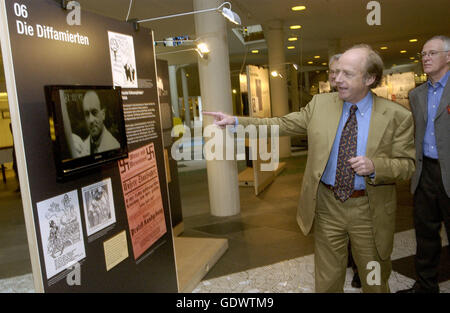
<point x="73" y="278"/>
<point x="229" y="144"/>
<point x="74" y="16"/>
<point x="374" y="16"/>
<point x="374" y="276"/>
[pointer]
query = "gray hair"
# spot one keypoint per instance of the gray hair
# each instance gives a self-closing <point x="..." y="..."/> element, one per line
<point x="444" y="39"/>
<point x="334" y="58"/>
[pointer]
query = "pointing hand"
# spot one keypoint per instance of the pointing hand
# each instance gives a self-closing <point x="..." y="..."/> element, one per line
<point x="221" y="119"/>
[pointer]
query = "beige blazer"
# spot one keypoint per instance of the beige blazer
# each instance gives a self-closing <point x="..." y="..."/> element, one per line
<point x="390" y="145"/>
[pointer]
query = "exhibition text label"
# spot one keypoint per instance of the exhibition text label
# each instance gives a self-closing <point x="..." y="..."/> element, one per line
<point x="44" y="31"/>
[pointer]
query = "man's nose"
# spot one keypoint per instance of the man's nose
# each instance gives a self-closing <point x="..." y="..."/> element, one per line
<point x="89" y="117"/>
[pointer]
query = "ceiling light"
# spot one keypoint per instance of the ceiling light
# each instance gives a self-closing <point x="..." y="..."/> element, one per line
<point x="299" y="8"/>
<point x="275" y="74"/>
<point x="292" y="38"/>
<point x="413" y="40"/>
<point x="255" y="51"/>
<point x="310" y="62"/>
<point x="384" y="48"/>
<point x="324" y="63"/>
<point x="416" y="61"/>
<point x="203" y="48"/>
<point x="230" y="15"/>
<point x="403" y="51"/>
<point x="412" y="58"/>
<point x="291" y="47"/>
<point x="295" y="27"/>
<point x="317" y="57"/>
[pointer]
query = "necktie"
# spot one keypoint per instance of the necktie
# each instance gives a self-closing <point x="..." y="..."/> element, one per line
<point x="345" y="176"/>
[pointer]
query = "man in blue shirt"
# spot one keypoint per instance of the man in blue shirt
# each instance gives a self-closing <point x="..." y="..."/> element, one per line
<point x="359" y="146"/>
<point x="430" y="184"/>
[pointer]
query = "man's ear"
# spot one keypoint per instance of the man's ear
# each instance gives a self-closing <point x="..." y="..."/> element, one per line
<point x="369" y="79"/>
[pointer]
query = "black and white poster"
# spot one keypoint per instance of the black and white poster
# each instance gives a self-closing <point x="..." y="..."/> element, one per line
<point x="61" y="232"/>
<point x="123" y="61"/>
<point x="98" y="203"/>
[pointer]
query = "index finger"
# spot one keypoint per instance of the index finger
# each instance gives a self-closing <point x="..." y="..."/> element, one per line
<point x="215" y="114"/>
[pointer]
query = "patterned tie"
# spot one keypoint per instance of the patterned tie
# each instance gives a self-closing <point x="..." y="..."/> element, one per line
<point x="345" y="176"/>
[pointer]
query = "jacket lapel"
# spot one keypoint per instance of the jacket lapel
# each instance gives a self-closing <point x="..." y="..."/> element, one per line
<point x="378" y="124"/>
<point x="445" y="99"/>
<point x="332" y="122"/>
<point x="423" y="101"/>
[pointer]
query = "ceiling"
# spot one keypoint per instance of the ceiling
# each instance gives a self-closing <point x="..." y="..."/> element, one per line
<point x="341" y="22"/>
<point x="324" y="22"/>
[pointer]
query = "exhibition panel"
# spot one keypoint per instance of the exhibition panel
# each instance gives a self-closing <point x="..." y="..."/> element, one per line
<point x="107" y="227"/>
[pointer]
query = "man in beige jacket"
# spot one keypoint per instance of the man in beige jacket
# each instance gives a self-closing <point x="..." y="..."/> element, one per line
<point x="359" y="146"/>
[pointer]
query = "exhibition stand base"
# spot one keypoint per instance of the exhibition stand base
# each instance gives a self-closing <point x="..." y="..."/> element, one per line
<point x="195" y="257"/>
<point x="247" y="178"/>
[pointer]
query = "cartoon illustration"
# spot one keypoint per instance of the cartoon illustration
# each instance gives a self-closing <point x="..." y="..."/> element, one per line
<point x="63" y="227"/>
<point x="61" y="232"/>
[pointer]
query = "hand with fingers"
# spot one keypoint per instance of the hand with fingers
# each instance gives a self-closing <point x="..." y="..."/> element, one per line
<point x="221" y="119"/>
<point x="362" y="165"/>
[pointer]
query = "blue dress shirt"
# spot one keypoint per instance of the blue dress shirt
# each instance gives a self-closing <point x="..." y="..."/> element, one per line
<point x="434" y="98"/>
<point x="363" y="118"/>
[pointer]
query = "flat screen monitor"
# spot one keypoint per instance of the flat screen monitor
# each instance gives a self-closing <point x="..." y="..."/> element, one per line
<point x="87" y="127"/>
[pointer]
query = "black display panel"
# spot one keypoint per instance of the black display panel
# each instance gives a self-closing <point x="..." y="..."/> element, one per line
<point x="87" y="127"/>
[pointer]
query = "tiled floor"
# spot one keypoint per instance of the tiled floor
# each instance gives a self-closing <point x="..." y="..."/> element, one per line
<point x="267" y="246"/>
<point x="267" y="251"/>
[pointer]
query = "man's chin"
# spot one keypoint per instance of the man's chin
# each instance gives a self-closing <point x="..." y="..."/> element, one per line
<point x="95" y="136"/>
<point x="342" y="95"/>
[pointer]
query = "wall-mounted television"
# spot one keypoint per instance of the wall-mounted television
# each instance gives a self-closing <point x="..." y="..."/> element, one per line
<point x="87" y="127"/>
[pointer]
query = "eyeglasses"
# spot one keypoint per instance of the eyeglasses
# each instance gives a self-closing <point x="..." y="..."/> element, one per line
<point x="431" y="53"/>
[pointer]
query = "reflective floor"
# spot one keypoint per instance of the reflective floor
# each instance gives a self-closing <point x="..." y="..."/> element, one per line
<point x="267" y="251"/>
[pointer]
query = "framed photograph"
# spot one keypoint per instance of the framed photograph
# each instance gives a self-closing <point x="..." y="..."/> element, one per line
<point x="99" y="210"/>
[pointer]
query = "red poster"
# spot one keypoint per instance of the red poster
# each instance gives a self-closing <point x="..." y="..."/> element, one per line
<point x="143" y="201"/>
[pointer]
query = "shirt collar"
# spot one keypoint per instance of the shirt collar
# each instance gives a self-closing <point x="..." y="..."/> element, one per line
<point x="363" y="105"/>
<point x="441" y="83"/>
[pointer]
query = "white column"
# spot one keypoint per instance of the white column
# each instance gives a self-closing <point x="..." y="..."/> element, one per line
<point x="215" y="86"/>
<point x="274" y="34"/>
<point x="174" y="90"/>
<point x="187" y="111"/>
